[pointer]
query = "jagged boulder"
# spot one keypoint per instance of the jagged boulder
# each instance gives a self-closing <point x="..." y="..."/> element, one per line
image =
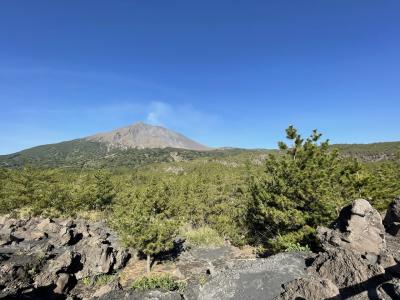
<point x="108" y="288"/>
<point x="48" y="226"/>
<point x="392" y="218"/>
<point x="359" y="228"/>
<point x="63" y="263"/>
<point x="346" y="269"/>
<point x="310" y="288"/>
<point x="337" y="274"/>
<point x="63" y="283"/>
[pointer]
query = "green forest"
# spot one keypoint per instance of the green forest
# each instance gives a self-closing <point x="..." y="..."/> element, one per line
<point x="272" y="200"/>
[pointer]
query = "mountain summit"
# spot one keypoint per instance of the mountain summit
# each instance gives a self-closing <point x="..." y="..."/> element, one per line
<point x="141" y="136"/>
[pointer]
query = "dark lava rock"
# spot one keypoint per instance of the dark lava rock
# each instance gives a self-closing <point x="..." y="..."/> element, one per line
<point x="349" y="271"/>
<point x="41" y="257"/>
<point x="392" y="218"/>
<point x="255" y="279"/>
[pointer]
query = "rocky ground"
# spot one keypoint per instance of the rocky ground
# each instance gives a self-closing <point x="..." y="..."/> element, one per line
<point x="45" y="259"/>
<point x="65" y="259"/>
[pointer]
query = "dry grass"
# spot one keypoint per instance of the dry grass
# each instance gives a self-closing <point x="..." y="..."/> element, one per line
<point x="91" y="215"/>
<point x="137" y="268"/>
<point x="202" y="237"/>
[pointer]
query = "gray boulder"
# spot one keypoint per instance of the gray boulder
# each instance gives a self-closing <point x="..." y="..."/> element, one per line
<point x="62" y="283"/>
<point x="255" y="279"/>
<point x="392" y="218"/>
<point x="346" y="269"/>
<point x="48" y="226"/>
<point x="107" y="289"/>
<point x="359" y="228"/>
<point x="96" y="258"/>
<point x="310" y="288"/>
<point x="63" y="263"/>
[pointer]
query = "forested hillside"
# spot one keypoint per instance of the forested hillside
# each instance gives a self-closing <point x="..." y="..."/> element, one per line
<point x="370" y="152"/>
<point x="83" y="153"/>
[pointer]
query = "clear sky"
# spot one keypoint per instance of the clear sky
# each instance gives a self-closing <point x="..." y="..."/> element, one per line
<point x="225" y="73"/>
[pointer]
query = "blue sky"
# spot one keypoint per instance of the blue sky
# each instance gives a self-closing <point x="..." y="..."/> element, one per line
<point x="225" y="73"/>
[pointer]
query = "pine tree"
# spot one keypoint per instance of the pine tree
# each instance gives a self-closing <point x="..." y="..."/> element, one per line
<point x="303" y="187"/>
<point x="104" y="190"/>
<point x="145" y="220"/>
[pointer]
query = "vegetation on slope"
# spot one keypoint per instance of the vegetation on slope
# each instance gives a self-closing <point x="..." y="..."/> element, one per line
<point x="82" y="153"/>
<point x="370" y="152"/>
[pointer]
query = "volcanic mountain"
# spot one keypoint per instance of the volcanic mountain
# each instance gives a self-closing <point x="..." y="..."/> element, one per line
<point x="142" y="136"/>
<point x="130" y="146"/>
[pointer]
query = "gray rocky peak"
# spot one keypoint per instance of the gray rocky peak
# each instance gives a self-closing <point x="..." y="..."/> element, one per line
<point x="141" y="136"/>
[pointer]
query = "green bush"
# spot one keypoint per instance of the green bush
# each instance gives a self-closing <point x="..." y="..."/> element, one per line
<point x="153" y="282"/>
<point x="303" y="236"/>
<point x="146" y="220"/>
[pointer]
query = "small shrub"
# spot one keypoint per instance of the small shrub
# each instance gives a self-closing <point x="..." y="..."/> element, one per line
<point x="297" y="247"/>
<point x="91" y="215"/>
<point x="203" y="279"/>
<point x="153" y="282"/>
<point x="103" y="279"/>
<point x="87" y="281"/>
<point x="51" y="212"/>
<point x="203" y="236"/>
<point x="98" y="280"/>
<point x="22" y="213"/>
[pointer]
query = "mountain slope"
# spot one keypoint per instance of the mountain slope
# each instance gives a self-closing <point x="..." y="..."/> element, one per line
<point x="130" y="146"/>
<point x="370" y="152"/>
<point x="142" y="136"/>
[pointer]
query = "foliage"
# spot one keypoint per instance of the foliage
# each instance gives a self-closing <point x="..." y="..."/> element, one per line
<point x="203" y="236"/>
<point x="145" y="219"/>
<point x="98" y="280"/>
<point x="152" y="282"/>
<point x="302" y="188"/>
<point x="54" y="192"/>
<point x="99" y="194"/>
<point x="297" y="247"/>
<point x="383" y="184"/>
